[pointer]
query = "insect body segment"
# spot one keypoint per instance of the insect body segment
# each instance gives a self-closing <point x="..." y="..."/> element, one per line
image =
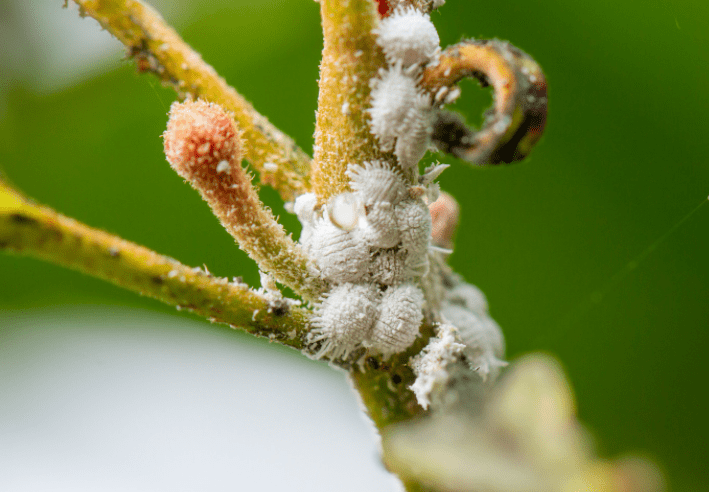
<point x="364" y="244"/>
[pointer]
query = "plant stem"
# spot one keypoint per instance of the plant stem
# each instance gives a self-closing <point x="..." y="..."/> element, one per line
<point x="157" y="48"/>
<point x="203" y="145"/>
<point x="38" y="231"/>
<point x="350" y="59"/>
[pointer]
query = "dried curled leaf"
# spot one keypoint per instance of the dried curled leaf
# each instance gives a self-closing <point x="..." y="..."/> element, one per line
<point x="518" y="116"/>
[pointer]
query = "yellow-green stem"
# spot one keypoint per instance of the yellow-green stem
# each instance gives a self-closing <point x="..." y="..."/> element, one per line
<point x="350" y="59"/>
<point x="159" y="49"/>
<point x="40" y="232"/>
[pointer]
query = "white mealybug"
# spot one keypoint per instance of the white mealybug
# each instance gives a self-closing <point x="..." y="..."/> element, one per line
<point x="344" y="319"/>
<point x="398" y="321"/>
<point x="340" y="256"/>
<point x="414" y="221"/>
<point x="409" y="36"/>
<point x="394" y="95"/>
<point x="388" y="266"/>
<point x="345" y="210"/>
<point x="379" y="228"/>
<point x="377" y="182"/>
<point x="468" y="296"/>
<point x="414" y="135"/>
<point x="482" y="337"/>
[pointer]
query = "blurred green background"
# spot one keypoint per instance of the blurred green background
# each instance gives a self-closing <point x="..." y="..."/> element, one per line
<point x="623" y="160"/>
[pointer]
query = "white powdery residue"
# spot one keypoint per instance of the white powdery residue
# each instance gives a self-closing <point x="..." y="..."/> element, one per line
<point x="431" y="173"/>
<point x="270" y="167"/>
<point x="408" y="36"/>
<point x="345" y="108"/>
<point x="502" y="125"/>
<point x="304" y="208"/>
<point x="440" y="94"/>
<point x="438" y="3"/>
<point x="482" y="337"/>
<point x="430" y="365"/>
<point x="223" y="167"/>
<point x="452" y="95"/>
<point x="345" y="210"/>
<point x="269" y="286"/>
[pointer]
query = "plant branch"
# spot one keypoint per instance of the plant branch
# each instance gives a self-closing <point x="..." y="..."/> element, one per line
<point x="34" y="230"/>
<point x="350" y="59"/>
<point x="157" y="48"/>
<point x="203" y="145"/>
<point x="383" y="385"/>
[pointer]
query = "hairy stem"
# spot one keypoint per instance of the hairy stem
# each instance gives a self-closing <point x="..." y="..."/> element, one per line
<point x="33" y="230"/>
<point x="350" y="59"/>
<point x="203" y="145"/>
<point x="157" y="48"/>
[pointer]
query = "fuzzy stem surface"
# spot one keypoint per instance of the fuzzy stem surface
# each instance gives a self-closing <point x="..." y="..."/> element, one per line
<point x="40" y="232"/>
<point x="157" y="48"/>
<point x="203" y="145"/>
<point x="350" y="59"/>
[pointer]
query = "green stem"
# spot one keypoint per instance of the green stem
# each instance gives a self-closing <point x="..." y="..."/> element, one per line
<point x="33" y="230"/>
<point x="157" y="48"/>
<point x="351" y="58"/>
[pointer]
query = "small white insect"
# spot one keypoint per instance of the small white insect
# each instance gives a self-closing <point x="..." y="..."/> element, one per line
<point x="469" y="297"/>
<point x="398" y="106"/>
<point x="344" y="319"/>
<point x="414" y="136"/>
<point x="409" y="36"/>
<point x="482" y="337"/>
<point x="399" y="319"/>
<point x="376" y="182"/>
<point x="388" y="266"/>
<point x="223" y="167"/>
<point x="414" y="221"/>
<point x="379" y="228"/>
<point x="340" y="256"/>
